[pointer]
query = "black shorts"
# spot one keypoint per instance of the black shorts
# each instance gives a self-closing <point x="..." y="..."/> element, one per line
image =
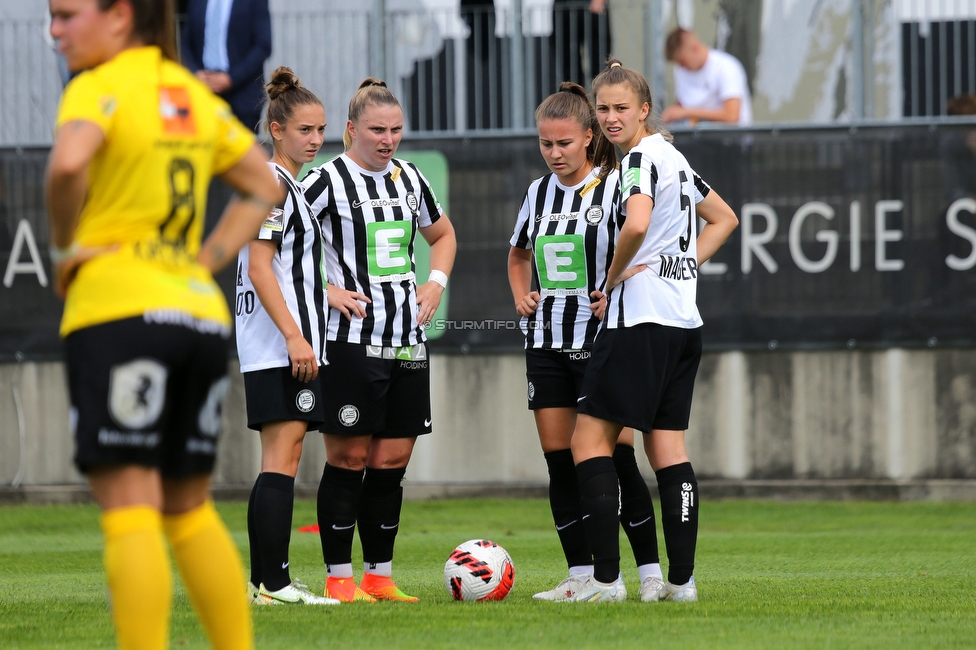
<point x="555" y="377"/>
<point x="148" y="393"/>
<point x="372" y="390"/>
<point x="274" y="395"/>
<point x="643" y="376"/>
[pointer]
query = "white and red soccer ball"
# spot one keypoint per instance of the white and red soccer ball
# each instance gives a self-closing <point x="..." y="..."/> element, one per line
<point x="479" y="569"/>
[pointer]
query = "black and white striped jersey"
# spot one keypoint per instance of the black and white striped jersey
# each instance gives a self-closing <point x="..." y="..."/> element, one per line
<point x="299" y="267"/>
<point x="570" y="233"/>
<point x="666" y="292"/>
<point x="370" y="221"/>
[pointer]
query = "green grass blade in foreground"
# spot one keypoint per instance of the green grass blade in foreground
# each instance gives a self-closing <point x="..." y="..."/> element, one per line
<point x="807" y="575"/>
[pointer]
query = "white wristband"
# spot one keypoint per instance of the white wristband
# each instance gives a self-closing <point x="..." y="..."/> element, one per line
<point x="439" y="277"/>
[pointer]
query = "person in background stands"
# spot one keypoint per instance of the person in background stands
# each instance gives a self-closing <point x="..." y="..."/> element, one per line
<point x="225" y="44"/>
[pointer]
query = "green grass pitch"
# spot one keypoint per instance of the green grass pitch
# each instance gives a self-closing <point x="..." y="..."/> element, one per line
<point x="770" y="575"/>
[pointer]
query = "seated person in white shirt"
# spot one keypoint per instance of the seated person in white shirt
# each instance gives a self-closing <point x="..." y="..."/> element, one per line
<point x="709" y="85"/>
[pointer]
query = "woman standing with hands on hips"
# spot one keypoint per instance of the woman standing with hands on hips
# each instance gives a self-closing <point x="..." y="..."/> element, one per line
<point x="281" y="339"/>
<point x="376" y="388"/>
<point x="557" y="266"/>
<point x="642" y="372"/>
<point x="145" y="325"/>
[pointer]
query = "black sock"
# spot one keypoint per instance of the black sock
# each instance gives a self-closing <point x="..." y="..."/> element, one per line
<point x="338" y="507"/>
<point x="600" y="503"/>
<point x="274" y="500"/>
<point x="379" y="514"/>
<point x="636" y="507"/>
<point x="252" y="539"/>
<point x="679" y="518"/>
<point x="564" y="501"/>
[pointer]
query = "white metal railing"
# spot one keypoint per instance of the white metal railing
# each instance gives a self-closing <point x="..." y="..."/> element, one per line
<point x="481" y="70"/>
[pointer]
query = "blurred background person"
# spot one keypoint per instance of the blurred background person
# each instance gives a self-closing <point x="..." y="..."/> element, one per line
<point x="709" y="85"/>
<point x="225" y="44"/>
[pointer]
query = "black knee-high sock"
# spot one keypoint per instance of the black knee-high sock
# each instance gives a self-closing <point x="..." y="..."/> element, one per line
<point x="679" y="518"/>
<point x="636" y="507"/>
<point x="379" y="513"/>
<point x="252" y="539"/>
<point x="564" y="501"/>
<point x="338" y="508"/>
<point x="600" y="503"/>
<point x="274" y="500"/>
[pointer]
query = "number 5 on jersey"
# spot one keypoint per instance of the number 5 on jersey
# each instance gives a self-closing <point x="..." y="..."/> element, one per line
<point x="561" y="262"/>
<point x="388" y="250"/>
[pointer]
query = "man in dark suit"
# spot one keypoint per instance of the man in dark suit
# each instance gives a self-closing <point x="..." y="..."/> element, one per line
<point x="225" y="43"/>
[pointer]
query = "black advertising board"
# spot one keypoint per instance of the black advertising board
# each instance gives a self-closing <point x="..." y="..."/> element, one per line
<point x="848" y="238"/>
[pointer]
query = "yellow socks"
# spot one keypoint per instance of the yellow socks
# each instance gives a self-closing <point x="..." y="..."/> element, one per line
<point x="139" y="577"/>
<point x="213" y="574"/>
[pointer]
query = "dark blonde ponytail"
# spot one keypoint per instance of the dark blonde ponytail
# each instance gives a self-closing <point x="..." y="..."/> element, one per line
<point x="371" y="92"/>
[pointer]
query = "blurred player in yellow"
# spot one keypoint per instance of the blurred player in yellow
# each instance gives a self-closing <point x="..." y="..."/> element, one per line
<point x="145" y="325"/>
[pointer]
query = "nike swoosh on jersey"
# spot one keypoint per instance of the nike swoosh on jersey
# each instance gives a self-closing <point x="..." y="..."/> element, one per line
<point x="334" y="527"/>
<point x="635" y="525"/>
<point x="580" y="399"/>
<point x="566" y="525"/>
<point x="284" y="565"/>
<point x="427" y="422"/>
<point x="358" y="204"/>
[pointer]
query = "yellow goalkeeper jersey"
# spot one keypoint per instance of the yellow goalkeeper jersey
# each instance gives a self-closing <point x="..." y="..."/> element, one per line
<point x="166" y="134"/>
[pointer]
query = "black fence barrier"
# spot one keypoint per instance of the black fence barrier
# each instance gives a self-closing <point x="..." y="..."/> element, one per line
<point x="848" y="238"/>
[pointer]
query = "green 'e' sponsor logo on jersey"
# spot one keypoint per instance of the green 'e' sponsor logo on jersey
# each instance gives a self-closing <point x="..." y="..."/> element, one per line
<point x="561" y="262"/>
<point x="388" y="250"/>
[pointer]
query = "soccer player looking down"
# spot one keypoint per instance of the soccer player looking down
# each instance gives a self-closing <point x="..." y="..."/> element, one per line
<point x="561" y="250"/>
<point x="376" y="387"/>
<point x="642" y="372"/>
<point x="145" y="325"/>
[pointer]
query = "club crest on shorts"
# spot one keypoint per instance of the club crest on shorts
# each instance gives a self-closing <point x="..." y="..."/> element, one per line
<point x="305" y="400"/>
<point x="531" y="391"/>
<point x="594" y="214"/>
<point x="348" y="415"/>
<point x="137" y="393"/>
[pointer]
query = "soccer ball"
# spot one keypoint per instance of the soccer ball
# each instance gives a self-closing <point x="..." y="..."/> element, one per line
<point x="479" y="569"/>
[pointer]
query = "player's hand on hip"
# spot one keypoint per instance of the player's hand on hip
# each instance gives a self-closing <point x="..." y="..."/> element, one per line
<point x="428" y="299"/>
<point x="528" y="304"/>
<point x="631" y="272"/>
<point x="65" y="270"/>
<point x="304" y="365"/>
<point x="626" y="275"/>
<point x="598" y="303"/>
<point x="348" y="303"/>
